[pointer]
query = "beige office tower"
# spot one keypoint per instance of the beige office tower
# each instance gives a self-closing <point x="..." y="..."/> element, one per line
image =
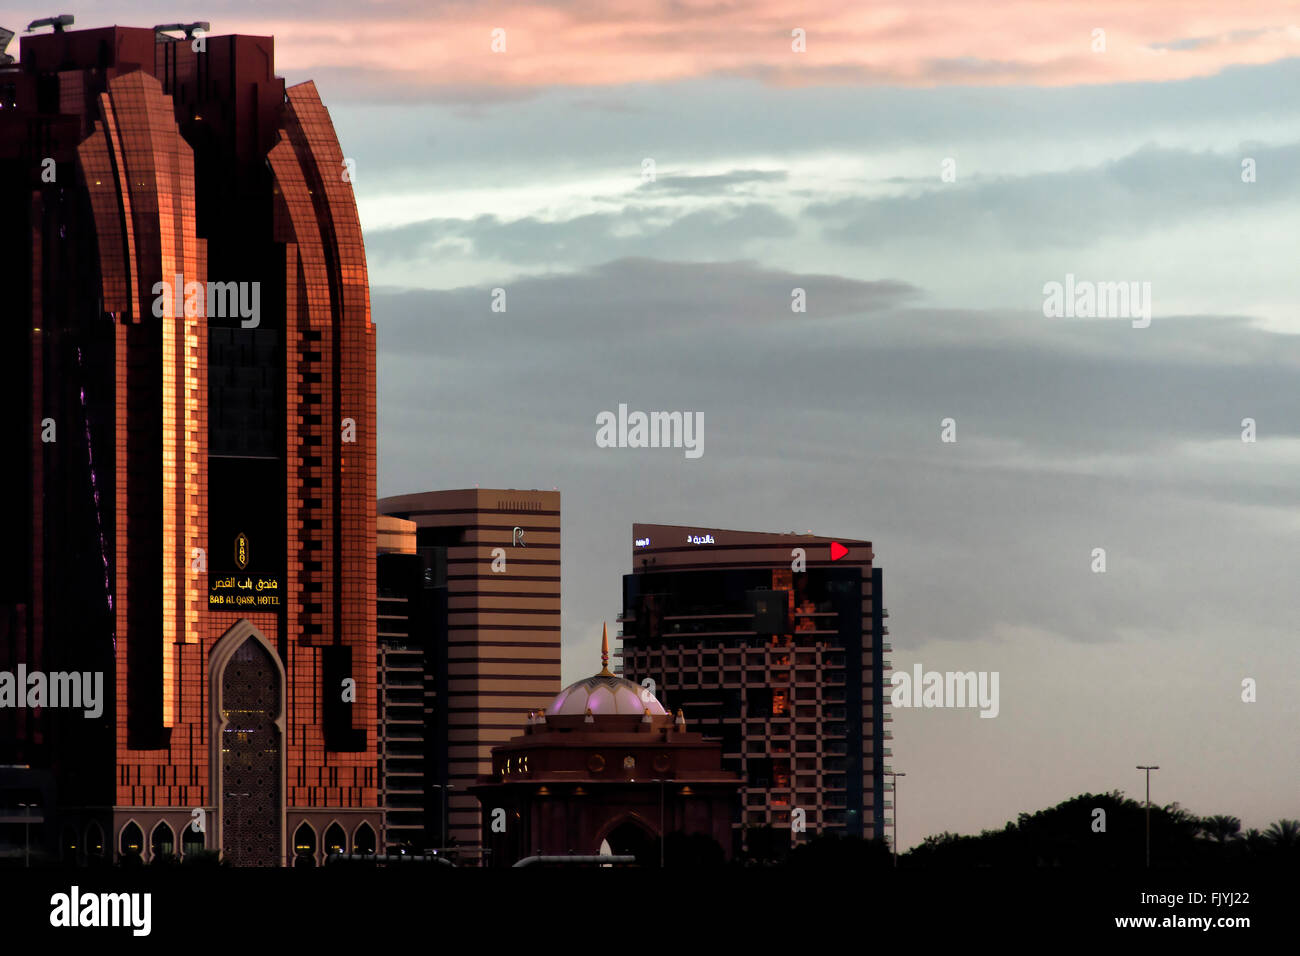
<point x="495" y="556"/>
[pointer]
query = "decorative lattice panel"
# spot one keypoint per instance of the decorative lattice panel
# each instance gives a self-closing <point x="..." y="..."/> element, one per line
<point x="250" y="758"/>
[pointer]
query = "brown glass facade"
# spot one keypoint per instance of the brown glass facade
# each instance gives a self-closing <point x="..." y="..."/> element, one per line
<point x="196" y="329"/>
<point x="497" y="647"/>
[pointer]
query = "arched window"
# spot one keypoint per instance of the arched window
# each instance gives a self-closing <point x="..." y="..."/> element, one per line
<point x="192" y="841"/>
<point x="363" y="841"/>
<point x="304" y="845"/>
<point x="68" y="845"/>
<point x="131" y="842"/>
<point x="94" y="842"/>
<point x="162" y="843"/>
<point x="336" y="841"/>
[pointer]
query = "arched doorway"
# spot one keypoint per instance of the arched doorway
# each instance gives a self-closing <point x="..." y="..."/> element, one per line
<point x="363" y="839"/>
<point x="130" y="843"/>
<point x="95" y="844"/>
<point x="248" y="723"/>
<point x="192" y="842"/>
<point x="336" y="841"/>
<point x="631" y="837"/>
<point x="304" y="845"/>
<point x="162" y="843"/>
<point x="68" y="845"/>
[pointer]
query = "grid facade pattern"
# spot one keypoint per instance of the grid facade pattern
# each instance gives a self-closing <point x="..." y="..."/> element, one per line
<point x="501" y="655"/>
<point x="139" y="173"/>
<point x="783" y="666"/>
<point x="407" y="687"/>
<point x="330" y="345"/>
<point x="407" y="703"/>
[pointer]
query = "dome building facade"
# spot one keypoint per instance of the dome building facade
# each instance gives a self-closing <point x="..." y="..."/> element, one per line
<point x="605" y="767"/>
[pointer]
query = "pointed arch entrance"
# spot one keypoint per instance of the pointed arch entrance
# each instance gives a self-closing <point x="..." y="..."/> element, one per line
<point x="247" y="690"/>
<point x="630" y="835"/>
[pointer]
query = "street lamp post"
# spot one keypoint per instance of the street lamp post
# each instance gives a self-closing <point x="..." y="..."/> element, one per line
<point x="444" y="789"/>
<point x="662" y="782"/>
<point x="1148" y="770"/>
<point x="27" y="832"/>
<point x="894" y="781"/>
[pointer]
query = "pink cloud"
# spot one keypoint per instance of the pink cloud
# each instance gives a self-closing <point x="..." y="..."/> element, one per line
<point x="940" y="42"/>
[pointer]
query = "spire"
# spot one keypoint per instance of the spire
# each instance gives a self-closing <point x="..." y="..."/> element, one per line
<point x="604" y="651"/>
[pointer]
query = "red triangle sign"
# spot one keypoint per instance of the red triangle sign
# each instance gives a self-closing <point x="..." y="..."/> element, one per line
<point x="838" y="551"/>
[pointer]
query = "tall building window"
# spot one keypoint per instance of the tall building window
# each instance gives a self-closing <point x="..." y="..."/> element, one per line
<point x="780" y="702"/>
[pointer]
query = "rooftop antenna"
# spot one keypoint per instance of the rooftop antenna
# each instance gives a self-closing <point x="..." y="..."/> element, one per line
<point x="5" y="37"/>
<point x="161" y="31"/>
<point x="59" y="22"/>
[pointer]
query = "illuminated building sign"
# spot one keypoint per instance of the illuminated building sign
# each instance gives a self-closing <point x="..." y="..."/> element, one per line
<point x="700" y="539"/>
<point x="246" y="592"/>
<point x="245" y="536"/>
<point x="243" y="591"/>
<point x="642" y="542"/>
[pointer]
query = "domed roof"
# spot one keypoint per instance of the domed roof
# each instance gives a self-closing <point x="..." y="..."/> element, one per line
<point x="604" y="693"/>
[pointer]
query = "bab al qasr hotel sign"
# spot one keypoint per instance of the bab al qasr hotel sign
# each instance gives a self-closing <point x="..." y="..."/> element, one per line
<point x="243" y="591"/>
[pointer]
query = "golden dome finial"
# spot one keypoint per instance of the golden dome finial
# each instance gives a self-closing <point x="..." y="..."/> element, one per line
<point x="604" y="651"/>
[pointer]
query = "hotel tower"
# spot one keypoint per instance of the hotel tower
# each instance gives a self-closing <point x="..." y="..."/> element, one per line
<point x="188" y="339"/>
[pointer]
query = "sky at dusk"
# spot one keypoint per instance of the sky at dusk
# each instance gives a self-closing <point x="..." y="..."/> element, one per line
<point x="525" y="170"/>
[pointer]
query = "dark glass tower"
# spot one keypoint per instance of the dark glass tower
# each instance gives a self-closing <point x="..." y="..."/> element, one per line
<point x="771" y="644"/>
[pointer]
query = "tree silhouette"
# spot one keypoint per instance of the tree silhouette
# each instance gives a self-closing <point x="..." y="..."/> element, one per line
<point x="1074" y="834"/>
<point x="1254" y="841"/>
<point x="1283" y="835"/>
<point x="1221" y="828"/>
<point x="766" y="843"/>
<point x="831" y="851"/>
<point x="693" y="850"/>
